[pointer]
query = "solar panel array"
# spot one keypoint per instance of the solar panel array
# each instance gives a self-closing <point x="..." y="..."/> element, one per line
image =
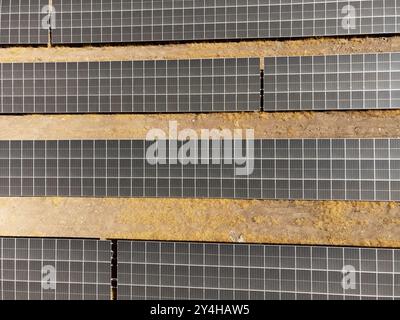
<point x="359" y="81"/>
<point x="169" y="270"/>
<point x="315" y="169"/>
<point x="207" y="85"/>
<point x="23" y="22"/>
<point x="102" y="21"/>
<point x="54" y="269"/>
<point x="321" y="169"/>
<point x="73" y="269"/>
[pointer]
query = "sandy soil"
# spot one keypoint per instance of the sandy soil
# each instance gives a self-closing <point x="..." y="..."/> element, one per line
<point x="202" y="50"/>
<point x="349" y="223"/>
<point x="299" y="222"/>
<point x="338" y="124"/>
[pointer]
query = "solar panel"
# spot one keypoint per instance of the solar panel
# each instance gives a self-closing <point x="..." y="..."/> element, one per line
<point x="205" y="85"/>
<point x="54" y="269"/>
<point x="177" y="270"/>
<point x="21" y="22"/>
<point x="73" y="269"/>
<point x="312" y="169"/>
<point x="358" y="81"/>
<point x="100" y="21"/>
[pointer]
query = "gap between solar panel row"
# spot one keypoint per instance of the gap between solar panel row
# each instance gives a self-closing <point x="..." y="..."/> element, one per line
<point x="335" y="82"/>
<point x="67" y="269"/>
<point x="308" y="169"/>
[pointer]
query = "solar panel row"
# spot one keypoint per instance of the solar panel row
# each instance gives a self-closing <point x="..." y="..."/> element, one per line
<point x="102" y="21"/>
<point x="106" y="21"/>
<point x="156" y="270"/>
<point x="312" y="169"/>
<point x="72" y="269"/>
<point x="206" y="85"/>
<point x="359" y="81"/>
<point x="54" y="269"/>
<point x="337" y="82"/>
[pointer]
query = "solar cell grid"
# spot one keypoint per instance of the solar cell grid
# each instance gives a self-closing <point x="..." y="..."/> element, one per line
<point x="157" y="270"/>
<point x="207" y="85"/>
<point x="337" y="82"/>
<point x="100" y="21"/>
<point x="312" y="169"/>
<point x="54" y="269"/>
<point x="21" y="22"/>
